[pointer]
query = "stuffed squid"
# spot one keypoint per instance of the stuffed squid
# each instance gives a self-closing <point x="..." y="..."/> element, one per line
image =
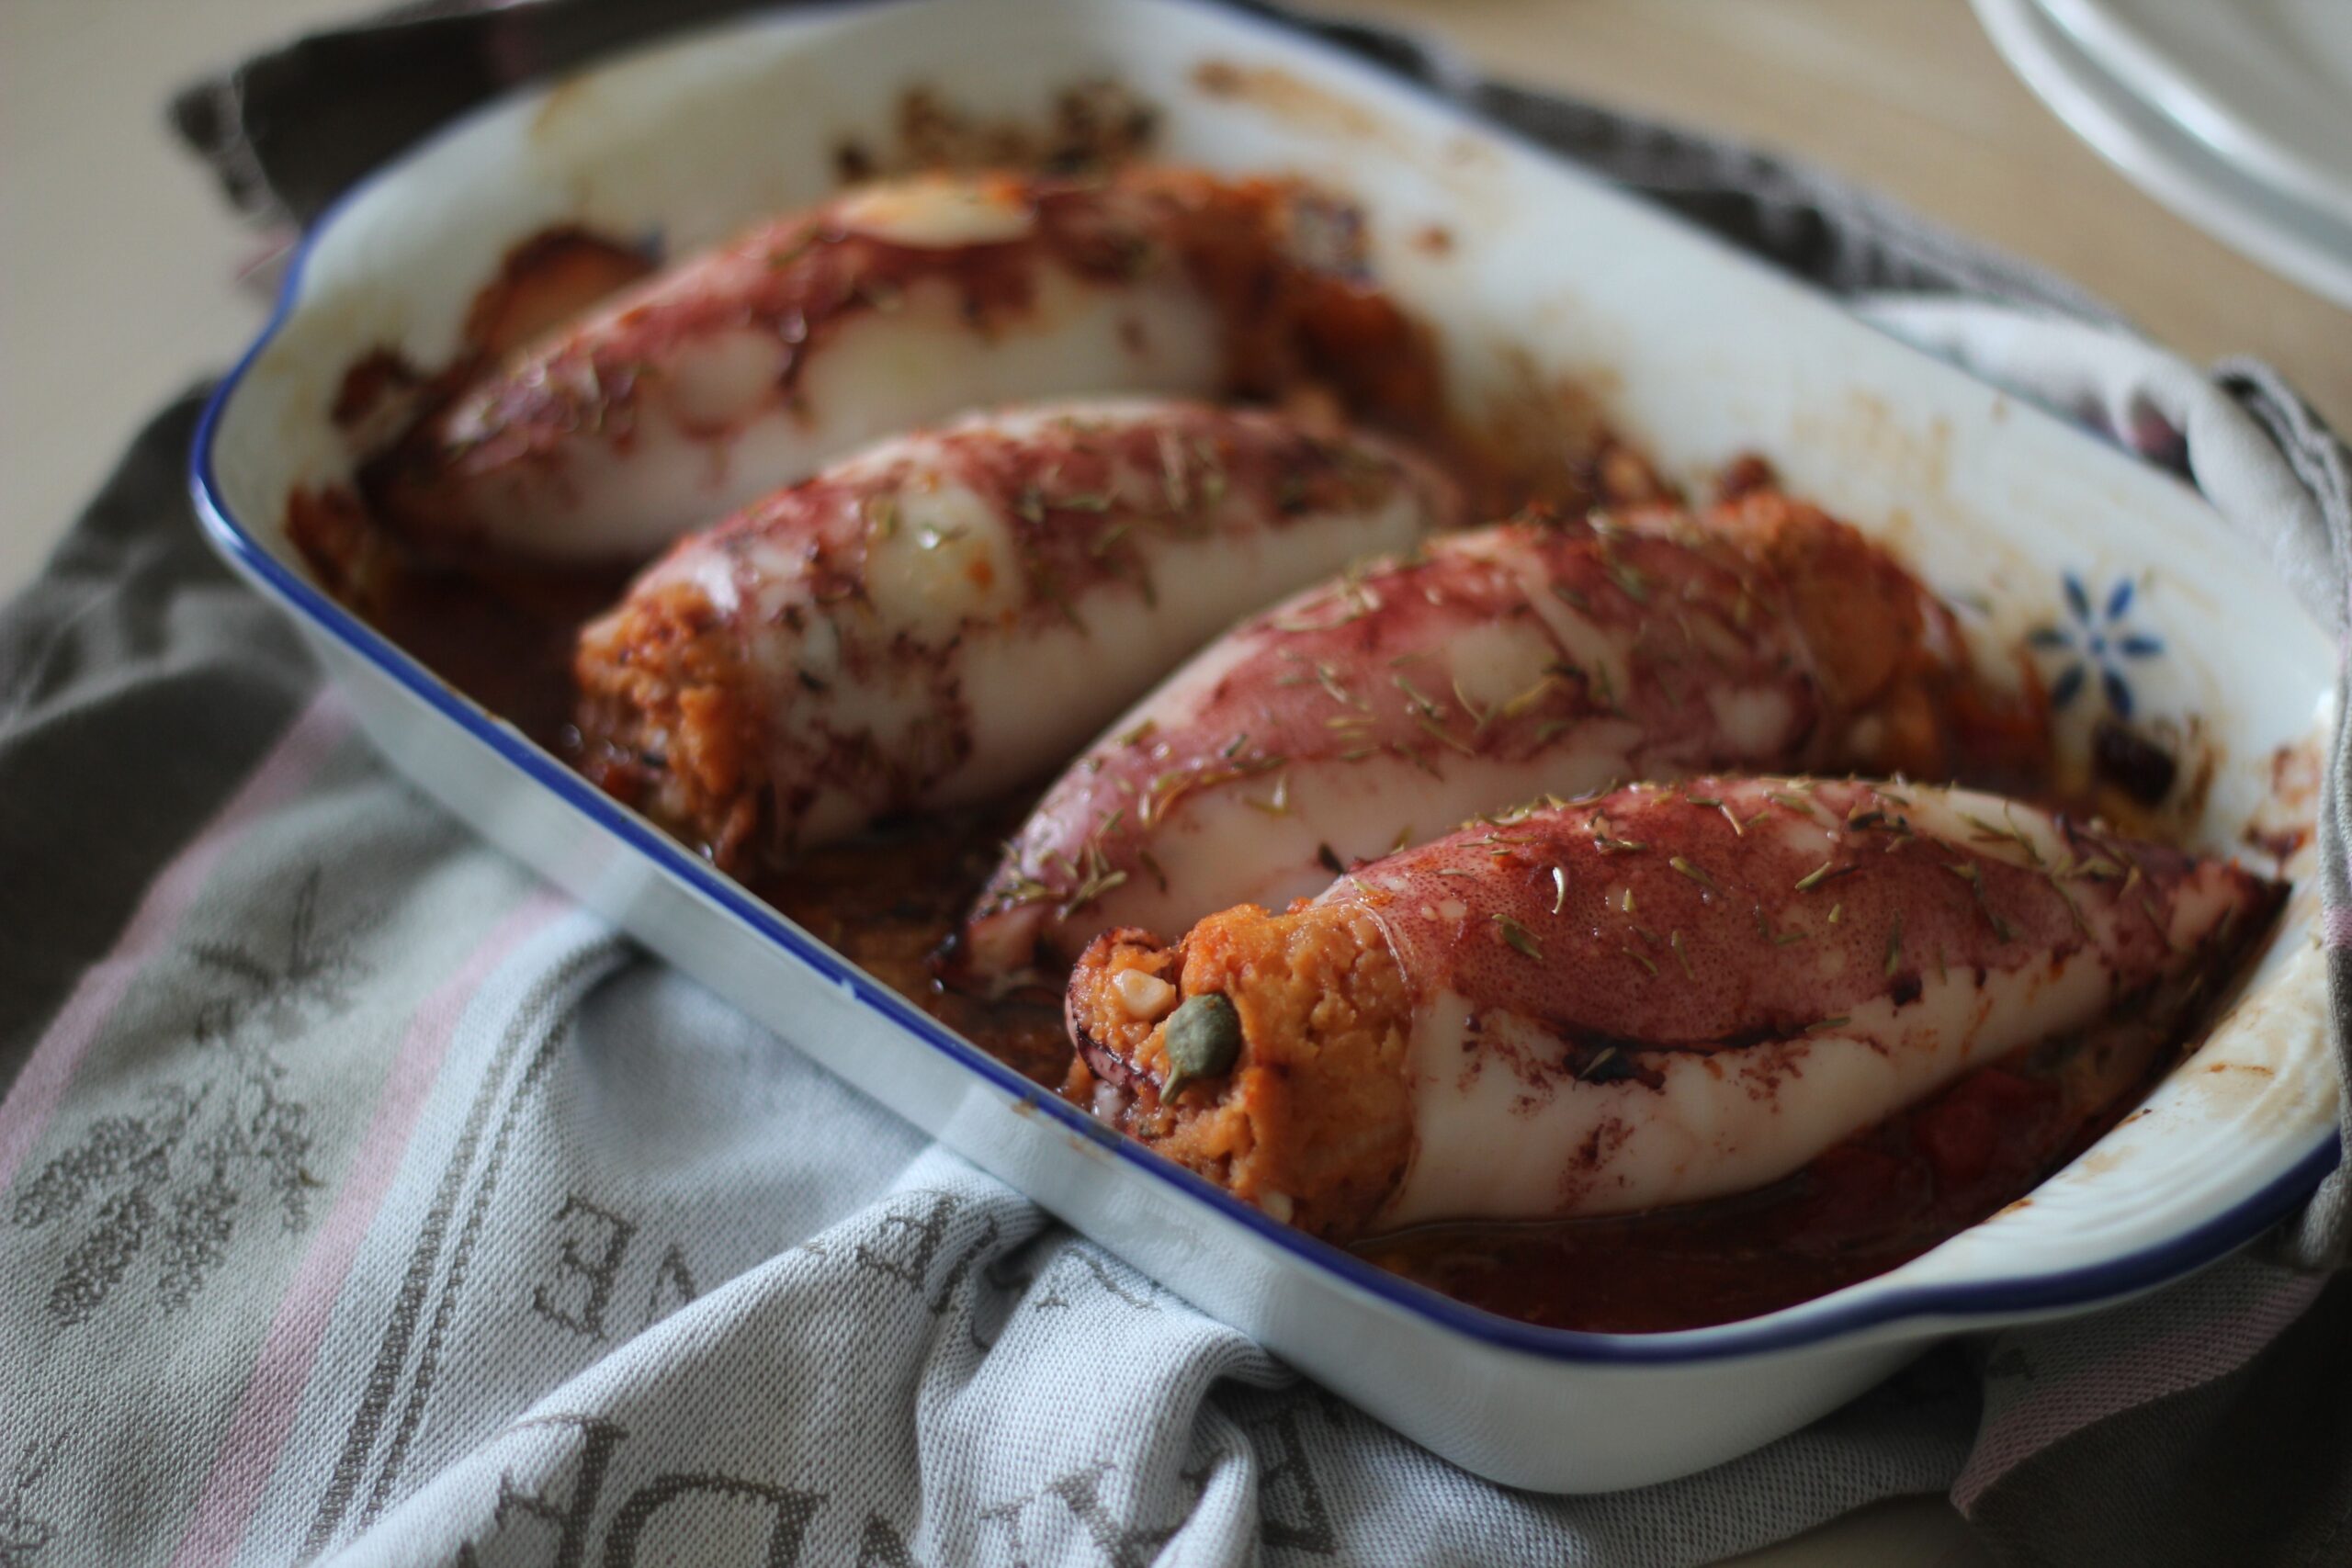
<point x="1649" y="997"/>
<point x="751" y="365"/>
<point x="1488" y="668"/>
<point x="951" y="613"/>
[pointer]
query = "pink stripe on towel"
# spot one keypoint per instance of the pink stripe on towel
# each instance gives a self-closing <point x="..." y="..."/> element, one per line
<point x="273" y="1396"/>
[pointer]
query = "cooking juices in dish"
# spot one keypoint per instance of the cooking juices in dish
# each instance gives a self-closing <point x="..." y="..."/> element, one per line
<point x="749" y="366"/>
<point x="944" y="473"/>
<point x="1646" y="998"/>
<point x="1499" y="664"/>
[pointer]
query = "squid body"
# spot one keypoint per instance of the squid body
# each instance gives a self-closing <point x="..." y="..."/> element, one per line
<point x="749" y="366"/>
<point x="1486" y="669"/>
<point x="952" y="612"/>
<point x="1654" y="995"/>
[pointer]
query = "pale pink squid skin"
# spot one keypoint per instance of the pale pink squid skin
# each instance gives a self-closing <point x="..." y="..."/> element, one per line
<point x="1488" y="668"/>
<point x="751" y="365"/>
<point x="951" y="613"/>
<point x="1672" y="993"/>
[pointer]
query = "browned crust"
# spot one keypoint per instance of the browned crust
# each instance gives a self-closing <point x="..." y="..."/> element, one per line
<point x="1890" y="656"/>
<point x="1314" y="1123"/>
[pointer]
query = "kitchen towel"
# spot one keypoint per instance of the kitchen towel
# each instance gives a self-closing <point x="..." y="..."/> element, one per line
<point x="362" y="1202"/>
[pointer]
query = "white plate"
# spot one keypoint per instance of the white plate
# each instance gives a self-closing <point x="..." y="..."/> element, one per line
<point x="2264" y="85"/>
<point x="1703" y="353"/>
<point x="2292" y="238"/>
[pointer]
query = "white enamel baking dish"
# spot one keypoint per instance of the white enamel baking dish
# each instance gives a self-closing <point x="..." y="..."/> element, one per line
<point x="1699" y="352"/>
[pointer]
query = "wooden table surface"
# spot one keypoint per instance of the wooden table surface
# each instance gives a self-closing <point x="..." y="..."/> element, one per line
<point x="1909" y="98"/>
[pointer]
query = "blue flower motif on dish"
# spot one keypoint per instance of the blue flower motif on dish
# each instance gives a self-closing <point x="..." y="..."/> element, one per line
<point x="2096" y="643"/>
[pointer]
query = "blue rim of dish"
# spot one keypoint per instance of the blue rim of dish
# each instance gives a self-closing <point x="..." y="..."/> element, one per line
<point x="1790" y="1328"/>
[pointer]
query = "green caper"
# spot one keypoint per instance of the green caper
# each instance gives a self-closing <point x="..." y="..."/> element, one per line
<point x="1202" y="1039"/>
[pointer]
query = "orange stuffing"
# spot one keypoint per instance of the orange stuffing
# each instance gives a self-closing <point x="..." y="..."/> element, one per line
<point x="1313" y="1120"/>
<point x="663" y="720"/>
